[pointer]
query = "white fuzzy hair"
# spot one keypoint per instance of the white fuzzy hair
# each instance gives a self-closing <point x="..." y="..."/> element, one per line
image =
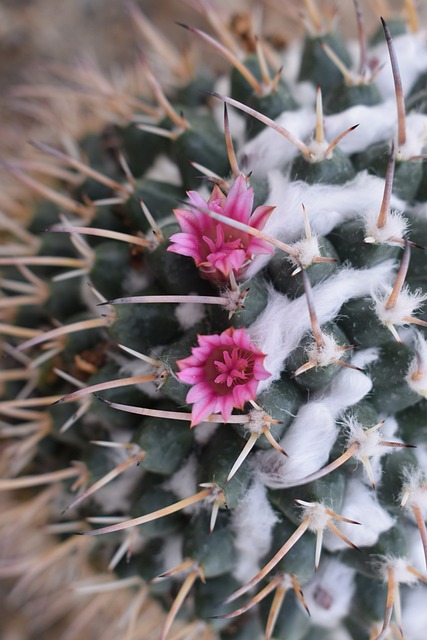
<point x="310" y="438"/>
<point x="330" y="592"/>
<point x="252" y="521"/>
<point x="279" y="329"/>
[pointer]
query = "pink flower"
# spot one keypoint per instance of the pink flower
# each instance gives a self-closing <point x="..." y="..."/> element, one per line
<point x="224" y="370"/>
<point x="217" y="248"/>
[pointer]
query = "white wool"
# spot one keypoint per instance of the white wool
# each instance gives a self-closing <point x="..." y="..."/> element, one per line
<point x="414" y="613"/>
<point x="308" y="442"/>
<point x="365" y="356"/>
<point x="171" y="554"/>
<point x="388" y="431"/>
<point x="345" y="390"/>
<point x="183" y="483"/>
<point x="414" y="548"/>
<point x="252" y="521"/>
<point x="136" y="280"/>
<point x="395" y="227"/>
<point x="414" y="489"/>
<point x="292" y="60"/>
<point x="164" y="170"/>
<point x="189" y="314"/>
<point x="411" y="53"/>
<point x="376" y="124"/>
<point x="279" y="329"/>
<point x="360" y="503"/>
<point x="204" y="432"/>
<point x="310" y="437"/>
<point x="317" y="515"/>
<point x="330" y="593"/>
<point x="325" y="354"/>
<point x="400" y="568"/>
<point x="416" y="136"/>
<point x="270" y="150"/>
<point x="326" y="205"/>
<point x="406" y="305"/>
<point x="416" y="376"/>
<point x="306" y="250"/>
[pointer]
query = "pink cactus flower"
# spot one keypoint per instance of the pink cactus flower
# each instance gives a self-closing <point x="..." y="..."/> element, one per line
<point x="225" y="370"/>
<point x="218" y="249"/>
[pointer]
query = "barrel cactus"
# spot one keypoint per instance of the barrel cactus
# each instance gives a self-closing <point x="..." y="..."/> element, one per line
<point x="215" y="370"/>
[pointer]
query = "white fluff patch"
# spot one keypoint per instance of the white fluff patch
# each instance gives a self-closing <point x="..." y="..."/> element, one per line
<point x="279" y="329"/>
<point x="414" y="614"/>
<point x="253" y="522"/>
<point x="416" y="376"/>
<point x="164" y="170"/>
<point x="269" y="150"/>
<point x="406" y="305"/>
<point x="327" y="205"/>
<point x="310" y="437"/>
<point x="171" y="553"/>
<point x="325" y="354"/>
<point x="400" y="568"/>
<point x="395" y="227"/>
<point x="306" y="250"/>
<point x="360" y="504"/>
<point x="189" y="314"/>
<point x="183" y="483"/>
<point x="414" y="490"/>
<point x="330" y="593"/>
<point x="376" y="124"/>
<point x="411" y="53"/>
<point x="307" y="442"/>
<point x="416" y="136"/>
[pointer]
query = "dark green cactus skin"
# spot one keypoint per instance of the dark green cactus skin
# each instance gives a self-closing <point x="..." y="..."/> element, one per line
<point x="154" y="329"/>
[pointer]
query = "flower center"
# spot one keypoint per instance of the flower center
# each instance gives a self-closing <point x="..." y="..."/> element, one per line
<point x="228" y="367"/>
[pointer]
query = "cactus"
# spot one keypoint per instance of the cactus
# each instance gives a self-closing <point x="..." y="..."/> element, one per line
<point x="215" y="349"/>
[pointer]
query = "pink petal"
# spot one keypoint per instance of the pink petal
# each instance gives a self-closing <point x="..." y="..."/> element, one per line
<point x="224" y="405"/>
<point x="241" y="394"/>
<point x="191" y="375"/>
<point x="260" y="216"/>
<point x="240" y="200"/>
<point x="202" y="409"/>
<point x="198" y="392"/>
